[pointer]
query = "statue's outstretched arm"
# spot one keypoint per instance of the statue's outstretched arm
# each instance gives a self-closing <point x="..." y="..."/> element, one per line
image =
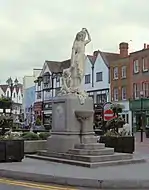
<point x="89" y="37"/>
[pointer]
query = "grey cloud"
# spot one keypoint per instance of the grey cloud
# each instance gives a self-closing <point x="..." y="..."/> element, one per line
<point x="35" y="30"/>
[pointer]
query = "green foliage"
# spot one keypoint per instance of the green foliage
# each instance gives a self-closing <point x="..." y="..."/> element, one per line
<point x="5" y="103"/>
<point x="30" y="136"/>
<point x="113" y="133"/>
<point x="44" y="135"/>
<point x="25" y="136"/>
<point x="38" y="122"/>
<point x="16" y="126"/>
<point x="117" y="108"/>
<point x="11" y="136"/>
<point x="114" y="124"/>
<point x="6" y="121"/>
<point x="5" y="99"/>
<point x="34" y="136"/>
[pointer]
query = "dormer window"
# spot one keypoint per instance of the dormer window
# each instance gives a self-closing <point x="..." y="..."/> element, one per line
<point x="46" y="78"/>
<point x="39" y="80"/>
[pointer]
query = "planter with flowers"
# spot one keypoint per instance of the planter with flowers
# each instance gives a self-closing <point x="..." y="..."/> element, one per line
<point x="33" y="142"/>
<point x="120" y="141"/>
<point x="11" y="147"/>
<point x="11" y="144"/>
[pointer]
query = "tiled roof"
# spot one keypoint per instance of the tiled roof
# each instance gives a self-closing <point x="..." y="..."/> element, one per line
<point x="56" y="67"/>
<point x="4" y="87"/>
<point x="106" y="56"/>
<point x="109" y="57"/>
<point x="92" y="58"/>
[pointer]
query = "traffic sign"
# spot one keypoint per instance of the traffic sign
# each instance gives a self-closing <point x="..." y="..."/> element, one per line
<point x="108" y="112"/>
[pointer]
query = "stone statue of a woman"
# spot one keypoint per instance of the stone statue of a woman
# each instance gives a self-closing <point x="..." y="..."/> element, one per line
<point x="75" y="73"/>
<point x="78" y="58"/>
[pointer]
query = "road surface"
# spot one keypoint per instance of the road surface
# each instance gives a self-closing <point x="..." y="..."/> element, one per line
<point x="7" y="184"/>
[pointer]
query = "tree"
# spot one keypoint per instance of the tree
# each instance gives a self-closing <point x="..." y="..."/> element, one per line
<point x="5" y="103"/>
<point x="5" y="122"/>
<point x="116" y="122"/>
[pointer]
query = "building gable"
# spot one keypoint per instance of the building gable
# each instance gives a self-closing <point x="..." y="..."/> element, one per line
<point x="2" y="93"/>
<point x="88" y="71"/>
<point x="14" y="93"/>
<point x="45" y="69"/>
<point x="100" y="68"/>
<point x="8" y="92"/>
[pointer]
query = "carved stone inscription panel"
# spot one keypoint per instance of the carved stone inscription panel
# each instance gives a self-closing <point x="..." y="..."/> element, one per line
<point x="59" y="117"/>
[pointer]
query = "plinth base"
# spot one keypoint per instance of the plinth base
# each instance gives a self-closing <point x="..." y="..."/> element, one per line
<point x="66" y="129"/>
<point x="89" y="155"/>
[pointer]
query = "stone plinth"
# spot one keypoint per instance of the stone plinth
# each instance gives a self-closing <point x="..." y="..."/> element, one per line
<point x="66" y="128"/>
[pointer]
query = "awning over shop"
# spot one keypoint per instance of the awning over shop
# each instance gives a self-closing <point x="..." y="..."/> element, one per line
<point x="135" y="105"/>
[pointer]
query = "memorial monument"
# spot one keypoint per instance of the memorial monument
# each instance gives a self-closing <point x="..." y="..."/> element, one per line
<point x="72" y="138"/>
<point x="66" y="126"/>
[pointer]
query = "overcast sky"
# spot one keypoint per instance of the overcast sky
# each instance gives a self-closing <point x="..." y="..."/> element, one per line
<point x="32" y="31"/>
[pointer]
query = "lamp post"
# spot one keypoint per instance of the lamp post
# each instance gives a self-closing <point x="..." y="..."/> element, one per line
<point x="40" y="79"/>
<point x="31" y="109"/>
<point x="10" y="83"/>
<point x="141" y="137"/>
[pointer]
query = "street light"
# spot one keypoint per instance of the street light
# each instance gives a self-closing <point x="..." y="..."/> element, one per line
<point x="141" y="94"/>
<point x="31" y="115"/>
<point x="10" y="83"/>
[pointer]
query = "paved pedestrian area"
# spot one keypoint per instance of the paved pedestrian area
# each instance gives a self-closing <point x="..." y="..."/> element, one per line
<point x="142" y="147"/>
<point x="109" y="174"/>
<point x="131" y="171"/>
<point x="134" y="171"/>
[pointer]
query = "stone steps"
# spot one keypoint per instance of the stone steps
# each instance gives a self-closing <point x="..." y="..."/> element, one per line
<point x="88" y="158"/>
<point x="91" y="146"/>
<point x="87" y="164"/>
<point x="97" y="152"/>
<point x="88" y="155"/>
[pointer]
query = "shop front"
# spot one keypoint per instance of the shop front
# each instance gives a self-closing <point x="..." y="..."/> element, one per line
<point x="140" y="113"/>
<point x="47" y="114"/>
<point x="38" y="110"/>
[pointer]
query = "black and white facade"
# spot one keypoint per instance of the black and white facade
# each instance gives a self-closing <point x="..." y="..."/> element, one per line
<point x="96" y="79"/>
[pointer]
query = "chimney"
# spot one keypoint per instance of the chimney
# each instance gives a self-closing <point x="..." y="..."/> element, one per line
<point x="144" y="46"/>
<point x="123" y="49"/>
<point x="95" y="53"/>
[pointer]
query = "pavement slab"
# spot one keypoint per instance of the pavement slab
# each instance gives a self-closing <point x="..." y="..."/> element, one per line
<point x="131" y="176"/>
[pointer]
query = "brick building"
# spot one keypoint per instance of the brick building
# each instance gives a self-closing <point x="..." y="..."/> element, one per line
<point x="139" y="68"/>
<point x="120" y="81"/>
<point x="129" y="83"/>
<point x="139" y="104"/>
